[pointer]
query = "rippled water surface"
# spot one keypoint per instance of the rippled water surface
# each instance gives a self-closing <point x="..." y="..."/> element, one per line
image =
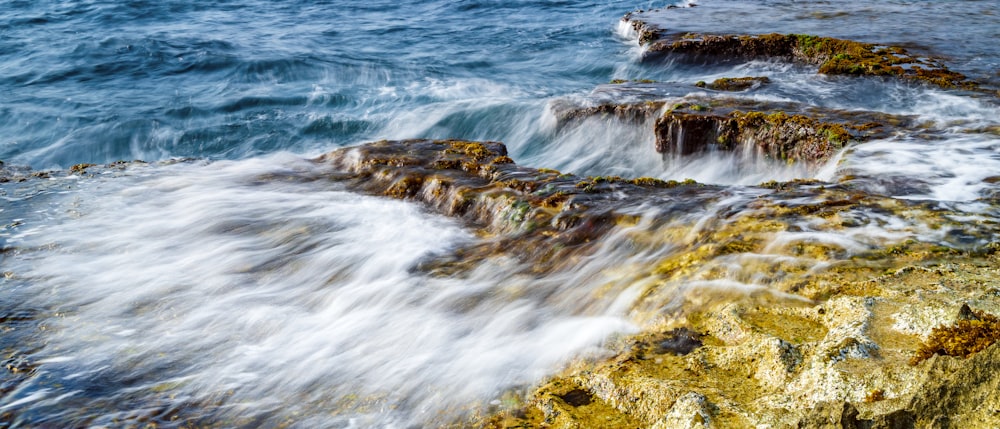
<point x="243" y="288"/>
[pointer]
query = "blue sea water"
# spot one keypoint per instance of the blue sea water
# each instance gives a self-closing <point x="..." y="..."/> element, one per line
<point x="100" y="81"/>
<point x="193" y="293"/>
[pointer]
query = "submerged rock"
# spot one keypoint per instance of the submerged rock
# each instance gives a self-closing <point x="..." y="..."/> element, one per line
<point x="567" y="113"/>
<point x="20" y="173"/>
<point x="12" y="173"/>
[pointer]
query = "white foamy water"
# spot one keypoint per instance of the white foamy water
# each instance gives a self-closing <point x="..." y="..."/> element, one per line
<point x="254" y="293"/>
<point x="952" y="169"/>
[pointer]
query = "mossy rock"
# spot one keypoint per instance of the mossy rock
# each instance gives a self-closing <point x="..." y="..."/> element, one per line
<point x="782" y="131"/>
<point x="832" y="56"/>
<point x="735" y="83"/>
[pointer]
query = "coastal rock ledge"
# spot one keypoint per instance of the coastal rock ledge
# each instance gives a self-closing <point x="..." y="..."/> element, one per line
<point x="895" y="336"/>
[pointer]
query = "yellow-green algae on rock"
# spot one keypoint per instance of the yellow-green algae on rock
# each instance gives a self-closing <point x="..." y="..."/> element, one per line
<point x="735" y="83"/>
<point x="789" y="132"/>
<point x="766" y="362"/>
<point x="837" y="353"/>
<point x="832" y="56"/>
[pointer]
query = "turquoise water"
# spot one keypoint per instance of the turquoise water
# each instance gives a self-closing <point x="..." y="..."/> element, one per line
<point x="193" y="292"/>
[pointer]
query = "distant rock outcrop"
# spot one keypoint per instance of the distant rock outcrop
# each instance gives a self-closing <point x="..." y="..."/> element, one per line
<point x="832" y="56"/>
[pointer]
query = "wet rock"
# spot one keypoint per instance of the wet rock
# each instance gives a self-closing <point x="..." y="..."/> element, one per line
<point x="735" y="83"/>
<point x="758" y="378"/>
<point x="645" y="32"/>
<point x="19" y="173"/>
<point x="14" y="173"/>
<point x="764" y="313"/>
<point x="18" y="327"/>
<point x="788" y="132"/>
<point x="832" y="56"/>
<point x="537" y="214"/>
<point x="680" y="341"/>
<point x="674" y="34"/>
<point x="783" y="131"/>
<point x="621" y="81"/>
<point x="80" y="168"/>
<point x="838" y="359"/>
<point x="567" y="113"/>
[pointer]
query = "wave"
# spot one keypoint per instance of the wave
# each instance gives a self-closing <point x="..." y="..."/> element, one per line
<point x="217" y="293"/>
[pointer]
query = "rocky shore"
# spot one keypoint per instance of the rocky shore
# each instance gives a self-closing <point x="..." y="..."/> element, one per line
<point x="841" y="334"/>
<point x="786" y="304"/>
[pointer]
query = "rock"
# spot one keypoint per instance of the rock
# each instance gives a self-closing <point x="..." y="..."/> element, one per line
<point x="823" y="341"/>
<point x="783" y="131"/>
<point x="19" y="173"/>
<point x="960" y="393"/>
<point x="13" y="173"/>
<point x="537" y="214"/>
<point x="645" y="32"/>
<point x="691" y="411"/>
<point x="832" y="56"/>
<point x="735" y="83"/>
<point x="838" y="364"/>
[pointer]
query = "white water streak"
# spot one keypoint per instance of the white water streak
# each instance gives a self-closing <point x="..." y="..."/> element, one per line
<point x="281" y="298"/>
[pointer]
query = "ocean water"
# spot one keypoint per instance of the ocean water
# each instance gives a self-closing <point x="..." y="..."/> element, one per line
<point x="190" y="291"/>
